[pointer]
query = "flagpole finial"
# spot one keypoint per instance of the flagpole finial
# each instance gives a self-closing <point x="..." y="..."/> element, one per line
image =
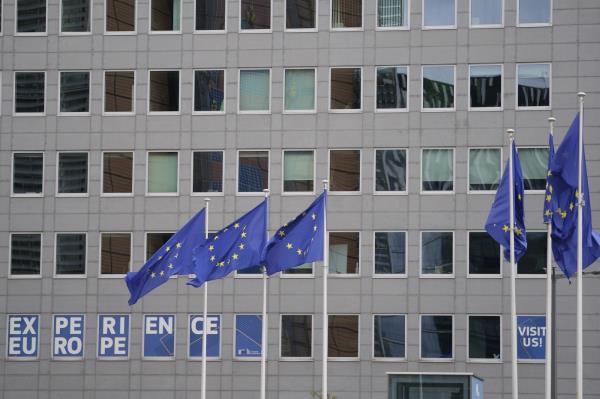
<point x="552" y="119"/>
<point x="581" y="94"/>
<point x="267" y="192"/>
<point x="325" y="184"/>
<point x="511" y="133"/>
<point x="206" y="199"/>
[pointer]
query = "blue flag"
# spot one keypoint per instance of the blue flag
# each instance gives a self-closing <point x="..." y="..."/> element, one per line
<point x="548" y="194"/>
<point x="173" y="258"/>
<point x="299" y="241"/>
<point x="563" y="180"/>
<point x="236" y="247"/>
<point x="498" y="221"/>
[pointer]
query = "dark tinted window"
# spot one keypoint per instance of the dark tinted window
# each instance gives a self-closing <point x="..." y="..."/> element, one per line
<point x="208" y="172"/>
<point x="484" y="337"/>
<point x="209" y="91"/>
<point x="164" y="91"/>
<point x="345" y="89"/>
<point x="296" y="336"/>
<point x="533" y="85"/>
<point x="486" y="86"/>
<point x="70" y="253"/>
<point x="25" y="254"/>
<point x="390" y="170"/>
<point x="253" y="173"/>
<point x="118" y="91"/>
<point x="75" y="16"/>
<point x="31" y="16"/>
<point x="344" y="170"/>
<point x="28" y="173"/>
<point x="154" y="241"/>
<point x="388" y="336"/>
<point x="437" y="252"/>
<point x="210" y="14"/>
<point x="74" y="92"/>
<point x="343" y="336"/>
<point x="29" y="92"/>
<point x="484" y="254"/>
<point x="116" y="253"/>
<point x="72" y="173"/>
<point x="436" y="337"/>
<point x="534" y="260"/>
<point x="117" y="172"/>
<point x="346" y="14"/>
<point x="120" y="15"/>
<point x="392" y="87"/>
<point x="390" y="252"/>
<point x="255" y="14"/>
<point x="300" y="14"/>
<point x="438" y="87"/>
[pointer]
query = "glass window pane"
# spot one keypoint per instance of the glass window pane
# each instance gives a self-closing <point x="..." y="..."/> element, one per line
<point x="255" y="14"/>
<point x="248" y="336"/>
<point x="484" y="169"/>
<point x="118" y="91"/>
<point x="117" y="173"/>
<point x="486" y="12"/>
<point x="75" y="16"/>
<point x="165" y="15"/>
<point x="29" y="92"/>
<point x="253" y="172"/>
<point x="390" y="252"/>
<point x="120" y="15"/>
<point x="484" y="337"/>
<point x="115" y="253"/>
<point x="296" y="336"/>
<point x="72" y="173"/>
<point x="25" y="254"/>
<point x="438" y="87"/>
<point x="305" y="269"/>
<point x="344" y="170"/>
<point x="300" y="14"/>
<point x="207" y="172"/>
<point x="390" y="170"/>
<point x="436" y="337"/>
<point x="343" y="253"/>
<point x="439" y="13"/>
<point x="164" y="91"/>
<point x="209" y="91"/>
<point x="389" y="336"/>
<point x="31" y="16"/>
<point x="255" y="271"/>
<point x="345" y="90"/>
<point x="392" y="87"/>
<point x="299" y="89"/>
<point x="484" y="254"/>
<point x="392" y="13"/>
<point x="210" y="14"/>
<point x="486" y="86"/>
<point x="534" y="259"/>
<point x="74" y="92"/>
<point x="254" y="90"/>
<point x="162" y="172"/>
<point x="28" y="173"/>
<point x="534" y="11"/>
<point x="534" y="85"/>
<point x="438" y="170"/>
<point x="534" y="164"/>
<point x="346" y="14"/>
<point x="298" y="171"/>
<point x="343" y="336"/>
<point x="70" y="253"/>
<point x="154" y="241"/>
<point x="437" y="252"/>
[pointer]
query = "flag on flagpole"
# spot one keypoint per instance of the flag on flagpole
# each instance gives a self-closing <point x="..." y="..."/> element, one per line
<point x="548" y="194"/>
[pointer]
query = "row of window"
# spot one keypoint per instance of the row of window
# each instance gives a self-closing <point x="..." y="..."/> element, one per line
<point x="485" y="92"/>
<point x="390" y="257"/>
<point x="257" y="15"/>
<point x="253" y="174"/>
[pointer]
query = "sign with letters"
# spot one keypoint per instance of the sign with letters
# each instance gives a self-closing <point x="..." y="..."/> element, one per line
<point x="68" y="336"/>
<point x="22" y="336"/>
<point x="159" y="337"/>
<point x="195" y="334"/>
<point x="248" y="336"/>
<point x="113" y="336"/>
<point x="531" y="338"/>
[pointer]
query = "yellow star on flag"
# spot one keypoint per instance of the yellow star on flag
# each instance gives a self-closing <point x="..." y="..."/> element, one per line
<point x="162" y="273"/>
<point x="243" y="234"/>
<point x="167" y="249"/>
<point x="571" y="206"/>
<point x="518" y="231"/>
<point x="241" y="246"/>
<point x="505" y="228"/>
<point x="548" y="198"/>
<point x="234" y="256"/>
<point x="178" y="245"/>
<point x="216" y="238"/>
<point x="563" y="214"/>
<point x="221" y="264"/>
<point x="313" y="216"/>
<point x="211" y="247"/>
<point x="281" y="233"/>
<point x="212" y="258"/>
<point x="153" y="275"/>
<point x="519" y="197"/>
<point x="170" y="266"/>
<point x="548" y="213"/>
<point x="299" y="252"/>
<point x="236" y="226"/>
<point x="289" y="246"/>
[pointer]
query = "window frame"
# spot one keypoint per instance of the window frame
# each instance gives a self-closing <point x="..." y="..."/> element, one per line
<point x="434" y="110"/>
<point x="438" y="192"/>
<point x="542" y="191"/>
<point x="143" y="344"/>
<point x="146" y="243"/>
<point x="167" y="194"/>
<point x="535" y="24"/>
<point x="133" y="97"/>
<point x="189" y="330"/>
<point x="237" y="173"/>
<point x="542" y="108"/>
<point x="82" y="33"/>
<point x="209" y="69"/>
<point x="314" y="69"/>
<point x="239" y="87"/>
<point x="56" y="275"/>
<point x="14" y="108"/>
<point x="404" y="275"/>
<point x="362" y="83"/>
<point x="500" y="334"/>
<point x="353" y="29"/>
<point x="299" y="275"/>
<point x="360" y="263"/>
<point x="485" y="109"/>
<point x="439" y="27"/>
<point x="89" y="102"/>
<point x="478" y="275"/>
<point x="312" y="341"/>
<point x="114" y="276"/>
<point x="389" y="359"/>
<point x="163" y="113"/>
<point x="487" y="26"/>
<point x="102" y="193"/>
<point x="207" y="193"/>
<point x="72" y="195"/>
<point x="360" y="171"/>
<point x="9" y="273"/>
<point x="129" y="318"/>
<point x="235" y="358"/>
<point x="437" y="359"/>
<point x="30" y="34"/>
<point x="377" y="67"/>
<point x="168" y="32"/>
<point x="406" y="168"/>
<point x="314" y="179"/>
<point x="122" y="32"/>
<point x="358" y="341"/>
<point x="210" y="31"/>
<point x="527" y="276"/>
<point x="434" y="275"/>
<point x="392" y="28"/>
<point x="242" y="30"/>
<point x="12" y="175"/>
<point x="304" y="30"/>
<point x="480" y="192"/>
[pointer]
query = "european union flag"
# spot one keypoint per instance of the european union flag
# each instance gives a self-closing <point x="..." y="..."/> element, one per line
<point x="498" y="222"/>
<point x="173" y="258"/>
<point x="548" y="194"/>
<point x="236" y="247"/>
<point x="563" y="180"/>
<point x="299" y="241"/>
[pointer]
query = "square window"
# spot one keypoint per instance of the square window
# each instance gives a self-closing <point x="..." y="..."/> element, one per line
<point x="389" y="340"/>
<point x="74" y="92"/>
<point x="486" y="13"/>
<point x="344" y="170"/>
<point x="119" y="91"/>
<point x="248" y="336"/>
<point x="437" y="253"/>
<point x="484" y="338"/>
<point x="25" y="254"/>
<point x="75" y="16"/>
<point x="534" y="259"/>
<point x="164" y="91"/>
<point x="296" y="336"/>
<point x="535" y="12"/>
<point x="484" y="169"/>
<point x="255" y="90"/>
<point x="484" y="254"/>
<point x="70" y="253"/>
<point x="438" y="87"/>
<point x="162" y="173"/>
<point x="210" y="15"/>
<point x="253" y="171"/>
<point x="165" y="15"/>
<point x="392" y="13"/>
<point x="300" y="14"/>
<point x="533" y="85"/>
<point x="390" y="253"/>
<point x="299" y="90"/>
<point x="392" y="88"/>
<point x="485" y="90"/>
<point x="154" y="241"/>
<point x="346" y="14"/>
<point x="437" y="337"/>
<point x="31" y="16"/>
<point x="117" y="173"/>
<point x="345" y="89"/>
<point x="439" y="14"/>
<point x="207" y="172"/>
<point x="302" y="270"/>
<point x="120" y="16"/>
<point x="28" y="173"/>
<point x="438" y="170"/>
<point x="255" y="14"/>
<point x="209" y="91"/>
<point x="343" y="336"/>
<point x="390" y="171"/>
<point x="298" y="171"/>
<point x="534" y="165"/>
<point x="30" y="89"/>
<point x="72" y="173"/>
<point x="115" y="253"/>
<point x="344" y="250"/>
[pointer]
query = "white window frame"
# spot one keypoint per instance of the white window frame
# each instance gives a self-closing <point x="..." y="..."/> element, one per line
<point x="256" y="112"/>
<point x="209" y="31"/>
<point x="362" y="89"/>
<point x="529" y="275"/>
<point x="346" y="275"/>
<point x="520" y="147"/>
<point x="389" y="359"/>
<point x="478" y="275"/>
<point x="433" y="275"/>
<point x="224" y="90"/>
<point x="14" y="358"/>
<point x="500" y="334"/>
<point x="438" y="27"/>
<point x="312" y="341"/>
<point x="298" y="193"/>
<point x="16" y="23"/>
<point x="133" y="98"/>
<point x="291" y="30"/>
<point x="237" y="173"/>
<point x="544" y="108"/>
<point x="262" y="344"/>
<point x="453" y="191"/>
<point x="406" y="178"/>
<point x="159" y="358"/>
<point x="207" y="193"/>
<point x="167" y="194"/>
<point x="113" y="276"/>
<point x="314" y="69"/>
<point x="12" y="176"/>
<point x="486" y="26"/>
<point x="122" y="32"/>
<point x="284" y="275"/>
<point x="189" y="330"/>
<point x="114" y="358"/>
<point x="70" y="276"/>
<point x="345" y="359"/>
<point x="24" y="276"/>
<point x="167" y="32"/>
<point x="15" y="113"/>
<point x="102" y="193"/>
<point x="392" y="275"/>
<point x="536" y="24"/>
<point x="83" y="33"/>
<point x="423" y="109"/>
<point x="178" y="112"/>
<point x="480" y="192"/>
<point x="393" y="110"/>
<point x="484" y="109"/>
<point x="392" y="28"/>
<point x="83" y="334"/>
<point x="360" y="171"/>
<point x="437" y="359"/>
<point x="354" y="29"/>
<point x="241" y="30"/>
<point x="58" y="111"/>
<point x="72" y="195"/>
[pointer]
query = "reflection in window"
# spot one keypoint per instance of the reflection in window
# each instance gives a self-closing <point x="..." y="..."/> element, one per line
<point x="117" y="173"/>
<point x="253" y="171"/>
<point x="299" y="90"/>
<point x="345" y="89"/>
<point x="484" y="169"/>
<point x="343" y="253"/>
<point x="207" y="172"/>
<point x="534" y="164"/>
<point x="154" y="241"/>
<point x="436" y="337"/>
<point x="392" y="13"/>
<point x="209" y="91"/>
<point x="343" y="336"/>
<point x="255" y="14"/>
<point x="533" y="85"/>
<point x="484" y="254"/>
<point x="165" y="15"/>
<point x="484" y="337"/>
<point x="72" y="173"/>
<point x="162" y="172"/>
<point x="118" y="91"/>
<point x="70" y="253"/>
<point x="115" y="253"/>
<point x="486" y="12"/>
<point x="210" y="14"/>
<point x="390" y="170"/>
<point x="392" y="87"/>
<point x="25" y="254"/>
<point x="29" y="92"/>
<point x="534" y="259"/>
<point x="302" y="270"/>
<point x="346" y="14"/>
<point x="534" y="11"/>
<point x="437" y="252"/>
<point x="300" y="14"/>
<point x="439" y="13"/>
<point x="438" y="170"/>
<point x="31" y="16"/>
<point x="485" y="86"/>
<point x="296" y="336"/>
<point x="254" y="90"/>
<point x="389" y="339"/>
<point x="28" y="173"/>
<point x="438" y="87"/>
<point x="298" y="171"/>
<point x="344" y="170"/>
<point x="74" y="92"/>
<point x="390" y="252"/>
<point x="75" y="16"/>
<point x="120" y="15"/>
<point x="164" y="91"/>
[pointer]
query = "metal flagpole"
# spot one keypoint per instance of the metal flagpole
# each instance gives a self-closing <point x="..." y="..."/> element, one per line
<point x="580" y="205"/>
<point x="325" y="315"/>
<point x="205" y="309"/>
<point x="263" y="358"/>
<point x="513" y="300"/>
<point x="549" y="293"/>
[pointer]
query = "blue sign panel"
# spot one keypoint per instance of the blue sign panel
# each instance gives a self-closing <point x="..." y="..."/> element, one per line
<point x="213" y="332"/>
<point x="476" y="388"/>
<point x="68" y="336"/>
<point x="531" y="337"/>
<point x="113" y="337"/>
<point x="248" y="336"/>
<point x="159" y="337"/>
<point x="22" y="336"/>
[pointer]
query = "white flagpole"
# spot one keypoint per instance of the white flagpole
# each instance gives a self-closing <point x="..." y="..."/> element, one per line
<point x="549" y="295"/>
<point x="580" y="204"/>
<point x="205" y="309"/>
<point x="263" y="358"/>
<point x="325" y="314"/>
<point x="513" y="300"/>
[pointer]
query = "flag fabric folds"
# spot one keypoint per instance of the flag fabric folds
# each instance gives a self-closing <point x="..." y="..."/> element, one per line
<point x="173" y="258"/>
<point x="563" y="181"/>
<point x="299" y="241"/>
<point x="498" y="221"/>
<point x="548" y="194"/>
<point x="235" y="247"/>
